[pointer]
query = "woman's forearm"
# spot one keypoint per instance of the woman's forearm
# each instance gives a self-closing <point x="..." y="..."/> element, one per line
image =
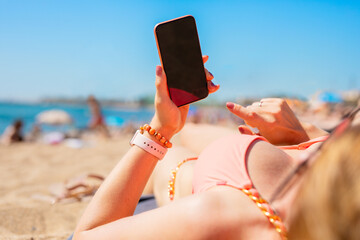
<point x="312" y="131"/>
<point x="120" y="192"/>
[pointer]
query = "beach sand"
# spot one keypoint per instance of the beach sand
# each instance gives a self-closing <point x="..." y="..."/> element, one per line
<point x="29" y="172"/>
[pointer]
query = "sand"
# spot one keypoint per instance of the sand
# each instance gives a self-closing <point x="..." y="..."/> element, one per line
<point x="29" y="173"/>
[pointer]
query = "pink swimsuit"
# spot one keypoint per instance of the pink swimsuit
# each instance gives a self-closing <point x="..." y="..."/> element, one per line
<point x="224" y="162"/>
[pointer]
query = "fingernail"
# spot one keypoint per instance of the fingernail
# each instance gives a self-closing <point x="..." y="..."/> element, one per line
<point x="211" y="74"/>
<point x="212" y="84"/>
<point x="230" y="105"/>
<point x="158" y="71"/>
<point x="241" y="130"/>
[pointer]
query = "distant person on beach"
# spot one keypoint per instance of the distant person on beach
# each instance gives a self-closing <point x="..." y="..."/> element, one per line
<point x="35" y="133"/>
<point x="13" y="133"/>
<point x="97" y="121"/>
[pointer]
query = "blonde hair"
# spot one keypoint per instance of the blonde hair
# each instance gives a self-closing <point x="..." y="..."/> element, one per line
<point x="328" y="206"/>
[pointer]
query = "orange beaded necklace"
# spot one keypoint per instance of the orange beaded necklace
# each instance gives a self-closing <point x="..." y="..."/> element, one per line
<point x="171" y="183"/>
<point x="251" y="192"/>
<point x="269" y="213"/>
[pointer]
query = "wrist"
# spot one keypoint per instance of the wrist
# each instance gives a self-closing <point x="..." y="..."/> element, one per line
<point x="313" y="131"/>
<point x="154" y="134"/>
<point x="150" y="146"/>
<point x="299" y="136"/>
<point x="166" y="131"/>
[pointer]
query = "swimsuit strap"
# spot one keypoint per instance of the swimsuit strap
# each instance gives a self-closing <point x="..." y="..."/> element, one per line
<point x="305" y="145"/>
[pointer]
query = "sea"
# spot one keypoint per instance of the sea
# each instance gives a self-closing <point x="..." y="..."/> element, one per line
<point x="80" y="115"/>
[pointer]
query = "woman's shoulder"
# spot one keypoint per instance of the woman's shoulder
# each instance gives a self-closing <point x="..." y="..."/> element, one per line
<point x="227" y="213"/>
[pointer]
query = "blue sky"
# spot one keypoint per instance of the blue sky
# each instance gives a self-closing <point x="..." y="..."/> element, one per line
<point x="257" y="48"/>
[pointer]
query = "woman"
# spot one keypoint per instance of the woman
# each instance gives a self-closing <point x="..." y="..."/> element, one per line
<point x="97" y="121"/>
<point x="13" y="133"/>
<point x="216" y="211"/>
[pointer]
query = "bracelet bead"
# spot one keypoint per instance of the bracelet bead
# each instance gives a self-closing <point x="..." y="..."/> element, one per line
<point x="152" y="131"/>
<point x="168" y="144"/>
<point x="157" y="135"/>
<point x="163" y="140"/>
<point x="147" y="127"/>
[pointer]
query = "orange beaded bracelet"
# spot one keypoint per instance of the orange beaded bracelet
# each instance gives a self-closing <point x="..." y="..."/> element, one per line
<point x="156" y="134"/>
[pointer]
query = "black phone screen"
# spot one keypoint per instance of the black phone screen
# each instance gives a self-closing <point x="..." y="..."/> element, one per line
<point x="181" y="57"/>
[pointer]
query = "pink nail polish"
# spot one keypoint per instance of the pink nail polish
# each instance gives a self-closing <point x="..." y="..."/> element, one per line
<point x="230" y="105"/>
<point x="241" y="130"/>
<point x="158" y="70"/>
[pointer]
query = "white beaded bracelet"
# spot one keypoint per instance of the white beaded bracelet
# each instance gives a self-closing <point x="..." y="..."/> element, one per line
<point x="148" y="145"/>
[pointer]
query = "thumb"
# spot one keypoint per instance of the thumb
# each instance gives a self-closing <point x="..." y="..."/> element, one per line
<point x="238" y="110"/>
<point x="160" y="82"/>
<point x="245" y="130"/>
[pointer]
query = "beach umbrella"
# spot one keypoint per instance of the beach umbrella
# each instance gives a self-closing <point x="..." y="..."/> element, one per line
<point x="54" y="117"/>
<point x="330" y="97"/>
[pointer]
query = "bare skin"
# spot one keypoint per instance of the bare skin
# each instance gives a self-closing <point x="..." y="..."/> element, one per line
<point x="223" y="212"/>
<point x="219" y="213"/>
<point x="192" y="139"/>
<point x="274" y="115"/>
<point x="275" y="121"/>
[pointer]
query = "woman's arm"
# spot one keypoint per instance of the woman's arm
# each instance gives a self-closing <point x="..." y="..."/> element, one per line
<point x="179" y="220"/>
<point x="221" y="213"/>
<point x="312" y="131"/>
<point x="119" y="194"/>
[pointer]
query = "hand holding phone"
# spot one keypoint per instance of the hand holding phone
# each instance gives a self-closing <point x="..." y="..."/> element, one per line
<point x="180" y="54"/>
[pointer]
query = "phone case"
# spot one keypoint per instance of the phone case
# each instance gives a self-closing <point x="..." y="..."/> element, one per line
<point x="188" y="83"/>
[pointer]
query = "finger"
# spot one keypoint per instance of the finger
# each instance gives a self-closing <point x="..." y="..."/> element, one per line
<point x="273" y="102"/>
<point x="184" y="109"/>
<point x="259" y="106"/>
<point x="270" y="99"/>
<point x="160" y="83"/>
<point x="240" y="111"/>
<point x="205" y="58"/>
<point x="208" y="75"/>
<point x="245" y="130"/>
<point x="212" y="87"/>
<point x="256" y="104"/>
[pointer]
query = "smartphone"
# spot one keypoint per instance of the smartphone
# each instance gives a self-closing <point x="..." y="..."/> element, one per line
<point x="180" y="55"/>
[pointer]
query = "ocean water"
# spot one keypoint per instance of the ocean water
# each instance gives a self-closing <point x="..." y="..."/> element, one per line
<point x="79" y="113"/>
